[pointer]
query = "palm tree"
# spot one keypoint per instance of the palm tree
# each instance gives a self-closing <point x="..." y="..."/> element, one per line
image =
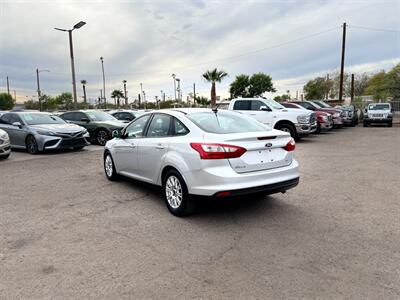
<point x="84" y="82"/>
<point x="214" y="76"/>
<point x="126" y="98"/>
<point x="117" y="94"/>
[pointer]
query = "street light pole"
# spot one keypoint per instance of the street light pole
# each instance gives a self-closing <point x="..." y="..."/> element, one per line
<point x="126" y="98"/>
<point x="71" y="52"/>
<point x="104" y="83"/>
<point x="173" y="76"/>
<point x="38" y="87"/>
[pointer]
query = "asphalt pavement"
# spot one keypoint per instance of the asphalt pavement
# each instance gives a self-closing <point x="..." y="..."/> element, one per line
<point x="66" y="232"/>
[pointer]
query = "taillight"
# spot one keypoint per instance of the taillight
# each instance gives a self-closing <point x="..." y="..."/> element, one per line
<point x="290" y="146"/>
<point x="217" y="151"/>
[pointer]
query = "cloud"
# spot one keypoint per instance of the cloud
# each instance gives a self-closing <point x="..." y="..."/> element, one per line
<point x="144" y="42"/>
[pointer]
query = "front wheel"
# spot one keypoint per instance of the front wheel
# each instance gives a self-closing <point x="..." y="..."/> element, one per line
<point x="288" y="128"/>
<point x="5" y="156"/>
<point x="390" y="124"/>
<point x="176" y="194"/>
<point x="102" y="137"/>
<point x="31" y="145"/>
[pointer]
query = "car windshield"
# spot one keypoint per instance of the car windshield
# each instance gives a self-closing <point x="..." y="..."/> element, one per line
<point x="99" y="116"/>
<point x="323" y="104"/>
<point x="273" y="104"/>
<point x="225" y="122"/>
<point x="41" y="118"/>
<point x="379" y="106"/>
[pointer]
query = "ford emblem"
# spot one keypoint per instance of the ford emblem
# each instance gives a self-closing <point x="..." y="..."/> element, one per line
<point x="268" y="145"/>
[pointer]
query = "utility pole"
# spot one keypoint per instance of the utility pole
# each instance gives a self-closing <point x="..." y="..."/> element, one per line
<point x="8" y="86"/>
<point x="126" y="98"/>
<point x="101" y="96"/>
<point x="38" y="90"/>
<point x="104" y="82"/>
<point x="194" y="94"/>
<point x="352" y="88"/>
<point x="173" y="76"/>
<point x="144" y="99"/>
<point x="141" y="95"/>
<point x="15" y="96"/>
<point x="139" y="98"/>
<point x="342" y="63"/>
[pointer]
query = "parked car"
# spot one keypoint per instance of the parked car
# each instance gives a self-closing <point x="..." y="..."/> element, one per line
<point x="5" y="148"/>
<point x="2" y="112"/>
<point x="99" y="124"/>
<point x="39" y="131"/>
<point x="336" y="113"/>
<point x="380" y="113"/>
<point x="344" y="112"/>
<point x="126" y="115"/>
<point x="269" y="112"/>
<point x="324" y="119"/>
<point x="350" y="114"/>
<point x="205" y="152"/>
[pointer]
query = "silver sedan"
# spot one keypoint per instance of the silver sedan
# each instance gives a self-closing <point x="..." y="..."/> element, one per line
<point x="39" y="131"/>
<point x="5" y="148"/>
<point x="202" y="152"/>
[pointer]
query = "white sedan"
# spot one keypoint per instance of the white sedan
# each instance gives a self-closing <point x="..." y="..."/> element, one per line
<point x="202" y="152"/>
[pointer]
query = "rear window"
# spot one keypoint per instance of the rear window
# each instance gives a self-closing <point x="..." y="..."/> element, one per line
<point x="383" y="106"/>
<point x="225" y="122"/>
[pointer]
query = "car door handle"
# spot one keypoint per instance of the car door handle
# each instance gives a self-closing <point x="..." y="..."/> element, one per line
<point x="159" y="146"/>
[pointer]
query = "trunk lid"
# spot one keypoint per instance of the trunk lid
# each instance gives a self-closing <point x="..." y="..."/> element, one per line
<point x="264" y="150"/>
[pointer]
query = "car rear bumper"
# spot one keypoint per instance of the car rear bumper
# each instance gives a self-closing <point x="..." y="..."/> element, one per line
<point x="210" y="181"/>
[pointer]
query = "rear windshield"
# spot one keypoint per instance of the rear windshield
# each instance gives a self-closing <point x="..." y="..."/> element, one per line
<point x="225" y="122"/>
<point x="383" y="106"/>
<point x="41" y="118"/>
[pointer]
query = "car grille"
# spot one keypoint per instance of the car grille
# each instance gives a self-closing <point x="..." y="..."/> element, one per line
<point x="70" y="135"/>
<point x="330" y="118"/>
<point x="73" y="142"/>
<point x="343" y="114"/>
<point x="313" y="117"/>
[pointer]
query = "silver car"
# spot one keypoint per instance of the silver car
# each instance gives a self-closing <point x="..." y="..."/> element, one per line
<point x="5" y="148"/>
<point x="39" y="131"/>
<point x="202" y="152"/>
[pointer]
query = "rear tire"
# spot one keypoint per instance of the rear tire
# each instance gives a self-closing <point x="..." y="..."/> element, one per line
<point x="109" y="167"/>
<point x="31" y="145"/>
<point x="102" y="137"/>
<point x="390" y="124"/>
<point x="365" y="124"/>
<point x="288" y="128"/>
<point x="176" y="194"/>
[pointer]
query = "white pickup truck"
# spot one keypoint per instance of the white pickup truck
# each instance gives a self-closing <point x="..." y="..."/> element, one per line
<point x="269" y="112"/>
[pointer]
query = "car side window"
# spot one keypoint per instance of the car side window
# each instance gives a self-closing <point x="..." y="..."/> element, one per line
<point x="14" y="118"/>
<point x="136" y="128"/>
<point x="68" y="116"/>
<point x="241" y="105"/>
<point x="5" y="119"/>
<point x="179" y="128"/>
<point x="78" y="116"/>
<point x="126" y="116"/>
<point x="160" y="126"/>
<point x="256" y="104"/>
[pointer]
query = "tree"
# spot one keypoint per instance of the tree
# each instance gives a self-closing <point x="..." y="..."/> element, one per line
<point x="316" y="88"/>
<point x="214" y="76"/>
<point x="254" y="86"/>
<point x="84" y="82"/>
<point x="64" y="101"/>
<point x="283" y="97"/>
<point x="202" y="101"/>
<point x="377" y="86"/>
<point x="117" y="94"/>
<point x="360" y="83"/>
<point x="393" y="82"/>
<point x="6" y="101"/>
<point x="240" y="86"/>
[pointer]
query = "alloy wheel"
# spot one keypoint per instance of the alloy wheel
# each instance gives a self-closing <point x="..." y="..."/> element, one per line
<point x="173" y="192"/>
<point x="102" y="137"/>
<point x="108" y="166"/>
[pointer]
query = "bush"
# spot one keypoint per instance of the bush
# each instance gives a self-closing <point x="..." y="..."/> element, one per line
<point x="6" y="101"/>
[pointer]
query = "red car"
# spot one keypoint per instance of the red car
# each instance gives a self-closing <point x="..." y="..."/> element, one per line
<point x="324" y="119"/>
<point x="336" y="113"/>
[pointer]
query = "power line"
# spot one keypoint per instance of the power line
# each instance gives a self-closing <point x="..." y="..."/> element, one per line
<point x="374" y="29"/>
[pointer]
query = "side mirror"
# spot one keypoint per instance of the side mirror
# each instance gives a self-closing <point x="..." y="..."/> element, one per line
<point x="17" y="124"/>
<point x="116" y="134"/>
<point x="85" y="120"/>
<point x="265" y="108"/>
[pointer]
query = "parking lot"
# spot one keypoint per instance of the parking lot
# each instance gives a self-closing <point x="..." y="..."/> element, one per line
<point x="68" y="232"/>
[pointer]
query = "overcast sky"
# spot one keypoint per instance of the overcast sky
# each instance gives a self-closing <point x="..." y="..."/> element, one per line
<point x="147" y="41"/>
